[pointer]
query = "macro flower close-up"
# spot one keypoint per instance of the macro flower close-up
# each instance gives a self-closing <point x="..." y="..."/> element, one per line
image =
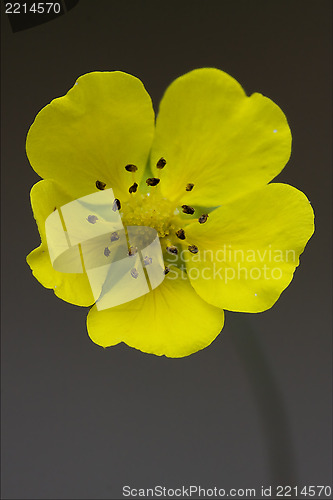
<point x="200" y="177"/>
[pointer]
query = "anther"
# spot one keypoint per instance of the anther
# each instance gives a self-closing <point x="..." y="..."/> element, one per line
<point x="172" y="249"/>
<point x="180" y="234"/>
<point x="133" y="188"/>
<point x="166" y="270"/>
<point x="193" y="248"/>
<point x="114" y="236"/>
<point x="92" y="219"/>
<point x="106" y="252"/>
<point x="132" y="251"/>
<point x="100" y="185"/>
<point x="134" y="273"/>
<point x="161" y="163"/>
<point x="203" y="218"/>
<point x="187" y="209"/>
<point x="131" y="168"/>
<point x="116" y="205"/>
<point x="152" y="181"/>
<point x="189" y="186"/>
<point x="147" y="261"/>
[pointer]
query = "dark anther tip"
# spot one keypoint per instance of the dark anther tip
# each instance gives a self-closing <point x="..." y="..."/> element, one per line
<point x="106" y="252"/>
<point x="166" y="270"/>
<point x="116" y="205"/>
<point x="133" y="188"/>
<point x="100" y="185"/>
<point x="189" y="186"/>
<point x="193" y="248"/>
<point x="131" y="168"/>
<point x="203" y="218"/>
<point x="134" y="273"/>
<point x="132" y="251"/>
<point x="152" y="181"/>
<point x="161" y="163"/>
<point x="147" y="261"/>
<point x="114" y="236"/>
<point x="172" y="249"/>
<point x="92" y="219"/>
<point x="180" y="234"/>
<point x="187" y="209"/>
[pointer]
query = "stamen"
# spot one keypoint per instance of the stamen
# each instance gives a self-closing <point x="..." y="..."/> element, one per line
<point x="114" y="236"/>
<point x="147" y="261"/>
<point x="166" y="270"/>
<point x="131" y="168"/>
<point x="116" y="205"/>
<point x="152" y="181"/>
<point x="100" y="185"/>
<point x="92" y="219"/>
<point x="161" y="163"/>
<point x="203" y="218"/>
<point x="193" y="248"/>
<point x="132" y="251"/>
<point x="133" y="188"/>
<point x="189" y="186"/>
<point x="181" y="234"/>
<point x="134" y="273"/>
<point x="172" y="249"/>
<point x="106" y="252"/>
<point x="187" y="209"/>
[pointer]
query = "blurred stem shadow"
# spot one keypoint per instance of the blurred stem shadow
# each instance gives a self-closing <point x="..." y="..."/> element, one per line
<point x="269" y="400"/>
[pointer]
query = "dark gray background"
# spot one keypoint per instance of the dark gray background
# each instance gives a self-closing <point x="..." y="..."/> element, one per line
<point x="253" y="408"/>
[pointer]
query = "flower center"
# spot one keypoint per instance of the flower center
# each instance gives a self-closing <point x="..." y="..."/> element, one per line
<point x="155" y="211"/>
<point x="151" y="210"/>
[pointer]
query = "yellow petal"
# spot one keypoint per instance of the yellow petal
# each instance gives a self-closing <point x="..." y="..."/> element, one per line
<point x="74" y="288"/>
<point x="213" y="136"/>
<point x="103" y="123"/>
<point x="249" y="249"/>
<point x="171" y="320"/>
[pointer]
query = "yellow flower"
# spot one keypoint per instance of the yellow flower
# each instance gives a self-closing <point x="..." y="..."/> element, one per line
<point x="200" y="178"/>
